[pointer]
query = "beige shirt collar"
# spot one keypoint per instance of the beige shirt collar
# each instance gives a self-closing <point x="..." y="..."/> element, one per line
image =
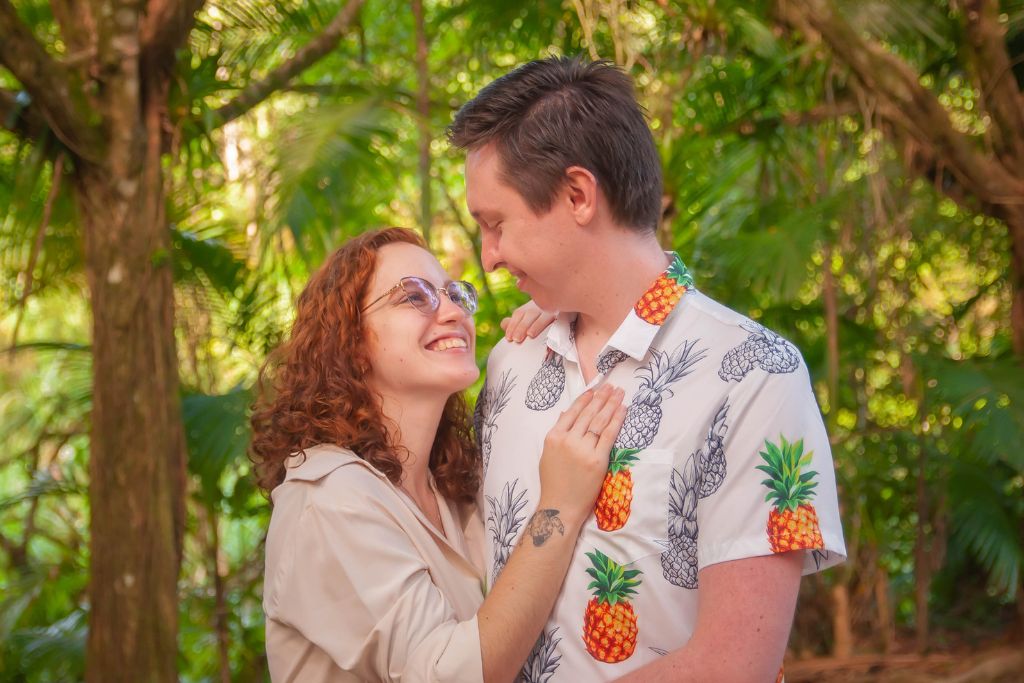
<point x="464" y="545"/>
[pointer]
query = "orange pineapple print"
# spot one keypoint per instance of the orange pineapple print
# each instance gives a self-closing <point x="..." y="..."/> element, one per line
<point x="658" y="301"/>
<point x="792" y="521"/>
<point x="613" y="503"/>
<point x="609" y="623"/>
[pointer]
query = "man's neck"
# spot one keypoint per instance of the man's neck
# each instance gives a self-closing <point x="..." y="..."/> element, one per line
<point x="619" y="272"/>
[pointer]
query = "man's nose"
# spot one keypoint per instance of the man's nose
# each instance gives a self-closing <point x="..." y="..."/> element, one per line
<point x="489" y="254"/>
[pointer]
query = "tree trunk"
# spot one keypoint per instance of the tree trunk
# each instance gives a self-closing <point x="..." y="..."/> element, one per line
<point x="886" y="628"/>
<point x="1014" y="220"/>
<point x="1020" y="610"/>
<point x="922" y="559"/>
<point x="220" y="597"/>
<point x="137" y="461"/>
<point x="842" y="629"/>
<point x="829" y="299"/>
<point x="423" y="119"/>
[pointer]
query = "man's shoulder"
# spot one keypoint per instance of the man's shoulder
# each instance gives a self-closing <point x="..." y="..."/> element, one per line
<point x="704" y="316"/>
<point x="508" y="355"/>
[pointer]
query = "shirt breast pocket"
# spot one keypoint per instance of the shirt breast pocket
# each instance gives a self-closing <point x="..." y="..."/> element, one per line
<point x="632" y="512"/>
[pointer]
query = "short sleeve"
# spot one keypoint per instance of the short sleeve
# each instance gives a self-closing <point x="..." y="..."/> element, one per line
<point x="777" y="492"/>
<point x="355" y="586"/>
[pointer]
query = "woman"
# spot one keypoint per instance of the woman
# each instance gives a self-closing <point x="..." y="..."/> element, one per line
<point x="362" y="437"/>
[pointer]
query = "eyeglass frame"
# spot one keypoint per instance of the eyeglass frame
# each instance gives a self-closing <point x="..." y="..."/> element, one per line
<point x="430" y="287"/>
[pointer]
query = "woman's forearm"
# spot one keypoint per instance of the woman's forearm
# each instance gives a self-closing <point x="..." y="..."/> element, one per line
<point x="512" y="616"/>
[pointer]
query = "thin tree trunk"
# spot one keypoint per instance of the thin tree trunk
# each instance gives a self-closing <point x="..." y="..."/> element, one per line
<point x="886" y="628"/>
<point x="922" y="559"/>
<point x="220" y="600"/>
<point x="842" y="632"/>
<point x="1020" y="609"/>
<point x="137" y="457"/>
<point x="1015" y="224"/>
<point x="829" y="297"/>
<point x="423" y="119"/>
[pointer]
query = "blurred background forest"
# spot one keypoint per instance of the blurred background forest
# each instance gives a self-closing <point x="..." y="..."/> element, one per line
<point x="849" y="172"/>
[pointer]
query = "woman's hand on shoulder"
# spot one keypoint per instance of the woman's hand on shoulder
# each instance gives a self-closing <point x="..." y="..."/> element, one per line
<point x="526" y="321"/>
<point x="576" y="450"/>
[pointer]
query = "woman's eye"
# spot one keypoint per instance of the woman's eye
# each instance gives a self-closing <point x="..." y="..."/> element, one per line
<point x="417" y="299"/>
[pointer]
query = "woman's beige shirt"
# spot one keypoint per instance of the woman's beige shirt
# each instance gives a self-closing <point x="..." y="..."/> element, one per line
<point x="360" y="586"/>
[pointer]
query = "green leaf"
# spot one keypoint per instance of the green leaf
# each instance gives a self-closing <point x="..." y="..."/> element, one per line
<point x="217" y="432"/>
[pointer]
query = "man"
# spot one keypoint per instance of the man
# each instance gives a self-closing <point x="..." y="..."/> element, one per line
<point x="720" y="491"/>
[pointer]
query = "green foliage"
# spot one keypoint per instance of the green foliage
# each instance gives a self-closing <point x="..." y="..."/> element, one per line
<point x="217" y="433"/>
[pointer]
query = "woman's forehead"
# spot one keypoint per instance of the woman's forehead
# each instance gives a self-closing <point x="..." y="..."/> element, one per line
<point x="395" y="261"/>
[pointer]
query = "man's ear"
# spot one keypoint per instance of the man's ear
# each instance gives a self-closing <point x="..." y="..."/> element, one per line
<point x="581" y="193"/>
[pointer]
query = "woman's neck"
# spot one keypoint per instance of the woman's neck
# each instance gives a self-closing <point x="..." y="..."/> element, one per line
<point x="413" y="424"/>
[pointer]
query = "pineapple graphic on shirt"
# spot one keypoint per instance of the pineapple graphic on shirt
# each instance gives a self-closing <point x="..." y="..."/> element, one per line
<point x="711" y="458"/>
<point x="609" y="623"/>
<point x="644" y="416"/>
<point x="792" y="520"/>
<point x="613" y="502"/>
<point x="543" y="659"/>
<point x="702" y="475"/>
<point x="504" y="519"/>
<point x="659" y="300"/>
<point x="609" y="359"/>
<point x="489" y="404"/>
<point x="547" y="385"/>
<point x="762" y="348"/>
<point x="679" y="561"/>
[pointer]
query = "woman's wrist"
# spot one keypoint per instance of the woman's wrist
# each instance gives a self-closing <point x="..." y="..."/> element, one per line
<point x="570" y="517"/>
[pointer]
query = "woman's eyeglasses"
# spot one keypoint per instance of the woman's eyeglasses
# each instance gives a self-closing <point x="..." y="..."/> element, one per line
<point x="426" y="298"/>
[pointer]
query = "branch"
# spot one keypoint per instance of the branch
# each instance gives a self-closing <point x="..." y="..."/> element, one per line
<point x="47" y="81"/>
<point x="921" y="115"/>
<point x="310" y="53"/>
<point x="77" y="26"/>
<point x="165" y="28"/>
<point x="37" y="244"/>
<point x="793" y="119"/>
<point x="986" y="39"/>
<point x="19" y="116"/>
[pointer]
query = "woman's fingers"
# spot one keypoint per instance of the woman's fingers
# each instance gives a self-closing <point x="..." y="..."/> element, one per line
<point x="539" y="324"/>
<point x="594" y="419"/>
<point x="586" y="415"/>
<point x="601" y="419"/>
<point x="611" y="430"/>
<point x="511" y="324"/>
<point x="568" y="418"/>
<point x="526" y="321"/>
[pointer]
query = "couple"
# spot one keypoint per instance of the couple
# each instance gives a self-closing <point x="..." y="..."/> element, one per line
<point x="652" y="466"/>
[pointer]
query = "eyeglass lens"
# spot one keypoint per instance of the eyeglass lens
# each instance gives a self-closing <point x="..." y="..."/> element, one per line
<point x="424" y="297"/>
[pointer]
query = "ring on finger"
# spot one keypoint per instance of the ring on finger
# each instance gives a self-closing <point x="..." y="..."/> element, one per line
<point x="597" y="434"/>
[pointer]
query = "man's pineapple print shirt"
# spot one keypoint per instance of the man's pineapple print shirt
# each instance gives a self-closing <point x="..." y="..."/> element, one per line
<point x="723" y="456"/>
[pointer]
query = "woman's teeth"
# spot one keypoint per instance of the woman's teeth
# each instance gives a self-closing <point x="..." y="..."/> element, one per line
<point x="450" y="343"/>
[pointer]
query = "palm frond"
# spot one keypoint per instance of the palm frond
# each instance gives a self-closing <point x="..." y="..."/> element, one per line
<point x="987" y="519"/>
<point x="217" y="434"/>
<point x="57" y="651"/>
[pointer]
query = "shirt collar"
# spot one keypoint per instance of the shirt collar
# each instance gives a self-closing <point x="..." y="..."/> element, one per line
<point x="636" y="333"/>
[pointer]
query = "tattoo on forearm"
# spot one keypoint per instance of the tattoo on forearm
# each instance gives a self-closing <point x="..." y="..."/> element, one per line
<point x="542" y="525"/>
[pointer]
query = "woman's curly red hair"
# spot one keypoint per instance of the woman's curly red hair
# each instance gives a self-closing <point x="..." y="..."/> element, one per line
<point x="313" y="389"/>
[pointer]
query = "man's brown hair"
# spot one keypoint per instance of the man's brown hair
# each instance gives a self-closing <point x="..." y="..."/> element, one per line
<point x="550" y="114"/>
